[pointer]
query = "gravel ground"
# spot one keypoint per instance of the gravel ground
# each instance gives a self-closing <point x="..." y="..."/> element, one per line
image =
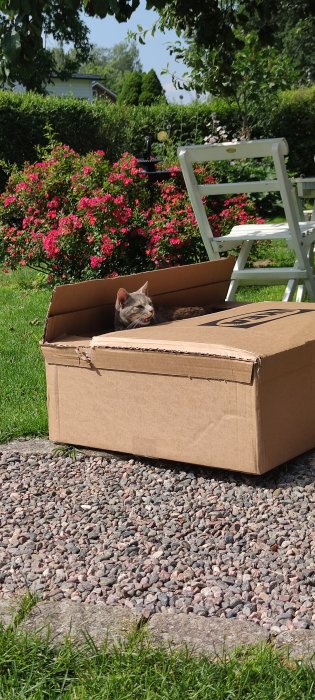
<point x="153" y="536"/>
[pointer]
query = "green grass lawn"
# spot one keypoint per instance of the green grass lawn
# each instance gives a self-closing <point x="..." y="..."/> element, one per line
<point x="22" y="379"/>
<point x="23" y="308"/>
<point x="31" y="669"/>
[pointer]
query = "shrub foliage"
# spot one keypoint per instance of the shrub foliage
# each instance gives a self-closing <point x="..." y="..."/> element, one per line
<point x="119" y="128"/>
<point x="78" y="217"/>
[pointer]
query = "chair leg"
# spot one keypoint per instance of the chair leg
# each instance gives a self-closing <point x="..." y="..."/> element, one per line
<point x="307" y="286"/>
<point x="300" y="293"/>
<point x="232" y="290"/>
<point x="239" y="265"/>
<point x="289" y="290"/>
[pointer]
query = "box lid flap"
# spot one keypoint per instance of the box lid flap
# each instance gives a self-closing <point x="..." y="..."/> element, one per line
<point x="249" y="333"/>
<point x="88" y="307"/>
<point x="84" y="295"/>
<point x="270" y="338"/>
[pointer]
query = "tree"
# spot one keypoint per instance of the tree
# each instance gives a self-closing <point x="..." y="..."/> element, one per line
<point x="295" y="41"/>
<point x="151" y="89"/>
<point x="262" y="52"/>
<point x="23" y="24"/>
<point x="112" y="64"/>
<point x="251" y="80"/>
<point x="209" y="23"/>
<point x="130" y="89"/>
<point x="140" y="88"/>
<point x="64" y="63"/>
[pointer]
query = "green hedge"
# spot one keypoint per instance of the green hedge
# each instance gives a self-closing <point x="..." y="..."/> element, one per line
<point x="85" y="126"/>
<point x="24" y="118"/>
<point x="295" y="119"/>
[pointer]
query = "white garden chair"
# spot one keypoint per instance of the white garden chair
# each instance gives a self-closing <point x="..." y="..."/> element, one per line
<point x="300" y="236"/>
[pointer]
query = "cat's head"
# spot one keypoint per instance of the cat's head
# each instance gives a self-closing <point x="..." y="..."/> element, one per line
<point x="134" y="309"/>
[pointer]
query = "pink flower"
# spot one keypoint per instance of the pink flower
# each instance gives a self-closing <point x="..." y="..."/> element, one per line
<point x="107" y="246"/>
<point x="49" y="243"/>
<point x="96" y="261"/>
<point x="53" y="203"/>
<point x="69" y="223"/>
<point x="9" y="200"/>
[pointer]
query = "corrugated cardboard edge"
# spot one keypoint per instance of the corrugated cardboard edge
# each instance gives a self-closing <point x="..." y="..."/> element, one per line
<point x="175" y="346"/>
<point x="216" y="365"/>
<point x="168" y="346"/>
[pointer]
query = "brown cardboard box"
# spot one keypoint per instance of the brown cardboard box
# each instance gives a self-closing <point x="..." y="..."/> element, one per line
<point x="233" y="389"/>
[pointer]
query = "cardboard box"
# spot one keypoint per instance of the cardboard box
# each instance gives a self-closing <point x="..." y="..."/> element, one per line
<point x="234" y="389"/>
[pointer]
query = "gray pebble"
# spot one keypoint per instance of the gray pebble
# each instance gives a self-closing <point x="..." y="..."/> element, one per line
<point x="156" y="536"/>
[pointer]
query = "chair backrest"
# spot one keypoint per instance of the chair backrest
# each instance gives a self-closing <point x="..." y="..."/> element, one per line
<point x="274" y="148"/>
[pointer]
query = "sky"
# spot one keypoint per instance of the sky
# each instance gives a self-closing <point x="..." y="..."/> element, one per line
<point x="108" y="32"/>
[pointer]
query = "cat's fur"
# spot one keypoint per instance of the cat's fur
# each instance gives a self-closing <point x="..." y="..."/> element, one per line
<point x="135" y="309"/>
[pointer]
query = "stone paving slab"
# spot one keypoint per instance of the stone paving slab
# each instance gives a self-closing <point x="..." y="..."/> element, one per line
<point x="299" y="643"/>
<point x="216" y="636"/>
<point x="28" y="446"/>
<point x="42" y="446"/>
<point x="213" y="635"/>
<point x="68" y="618"/>
<point x="8" y="608"/>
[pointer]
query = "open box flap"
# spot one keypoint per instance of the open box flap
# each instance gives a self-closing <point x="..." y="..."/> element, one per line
<point x="86" y="307"/>
<point x="85" y="295"/>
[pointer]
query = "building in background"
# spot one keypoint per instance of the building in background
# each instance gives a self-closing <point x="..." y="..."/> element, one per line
<point x="84" y="86"/>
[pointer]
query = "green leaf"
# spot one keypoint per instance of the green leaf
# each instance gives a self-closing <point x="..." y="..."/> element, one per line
<point x="114" y="6"/>
<point x="11" y="45"/>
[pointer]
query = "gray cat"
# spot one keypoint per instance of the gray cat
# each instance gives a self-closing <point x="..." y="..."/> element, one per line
<point x="135" y="309"/>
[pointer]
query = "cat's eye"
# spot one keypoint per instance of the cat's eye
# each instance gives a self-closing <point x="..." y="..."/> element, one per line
<point x="140" y="306"/>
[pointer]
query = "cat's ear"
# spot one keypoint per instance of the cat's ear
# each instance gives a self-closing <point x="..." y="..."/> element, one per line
<point x="121" y="298"/>
<point x="144" y="289"/>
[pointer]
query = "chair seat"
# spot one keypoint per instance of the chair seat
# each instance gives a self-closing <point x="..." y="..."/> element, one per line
<point x="266" y="231"/>
<point x="299" y="237"/>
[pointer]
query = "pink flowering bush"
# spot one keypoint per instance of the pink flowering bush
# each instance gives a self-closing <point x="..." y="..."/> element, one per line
<point x="78" y="217"/>
<point x="174" y="237"/>
<point x="238" y="210"/>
